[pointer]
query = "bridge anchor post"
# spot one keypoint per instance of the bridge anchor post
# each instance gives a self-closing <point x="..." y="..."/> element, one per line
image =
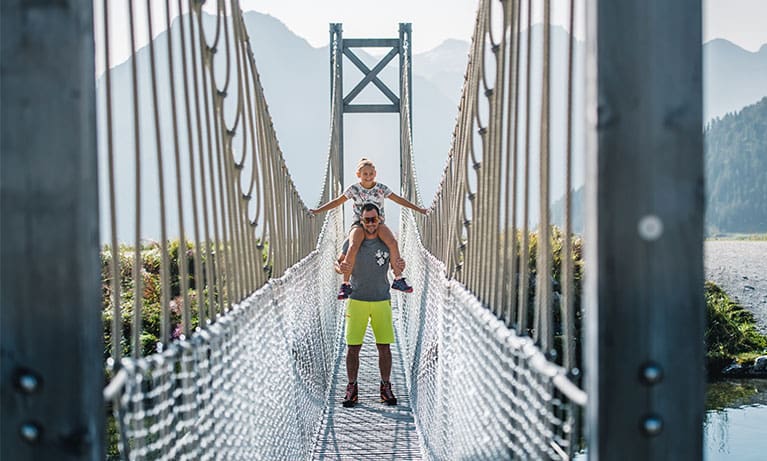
<point x="645" y="309"/>
<point x="52" y="365"/>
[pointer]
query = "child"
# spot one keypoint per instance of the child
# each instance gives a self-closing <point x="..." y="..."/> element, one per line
<point x="369" y="191"/>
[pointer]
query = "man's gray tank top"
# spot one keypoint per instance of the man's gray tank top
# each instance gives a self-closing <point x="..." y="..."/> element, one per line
<point x="369" y="277"/>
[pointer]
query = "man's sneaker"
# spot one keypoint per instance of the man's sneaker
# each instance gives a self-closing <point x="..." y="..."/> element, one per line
<point x="350" y="399"/>
<point x="401" y="285"/>
<point x="344" y="291"/>
<point x="387" y="396"/>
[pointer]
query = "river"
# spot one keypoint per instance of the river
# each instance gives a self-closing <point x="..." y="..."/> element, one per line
<point x="735" y="427"/>
<point x="739" y="267"/>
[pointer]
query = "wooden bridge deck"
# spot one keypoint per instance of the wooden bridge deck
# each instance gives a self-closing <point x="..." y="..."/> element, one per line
<point x="370" y="430"/>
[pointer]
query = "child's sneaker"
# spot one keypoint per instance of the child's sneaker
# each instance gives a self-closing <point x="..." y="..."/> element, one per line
<point x="351" y="395"/>
<point x="387" y="396"/>
<point x="346" y="290"/>
<point x="401" y="285"/>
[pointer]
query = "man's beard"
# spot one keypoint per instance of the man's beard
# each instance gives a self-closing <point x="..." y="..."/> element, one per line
<point x="371" y="232"/>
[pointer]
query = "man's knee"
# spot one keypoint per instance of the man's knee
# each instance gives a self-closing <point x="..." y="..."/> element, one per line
<point x="354" y="350"/>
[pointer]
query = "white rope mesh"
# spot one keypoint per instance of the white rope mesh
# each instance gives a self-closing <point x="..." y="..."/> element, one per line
<point x="253" y="380"/>
<point x="478" y="390"/>
<point x="253" y="385"/>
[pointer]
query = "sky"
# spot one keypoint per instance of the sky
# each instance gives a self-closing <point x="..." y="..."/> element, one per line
<point x="739" y="21"/>
<point x="433" y="21"/>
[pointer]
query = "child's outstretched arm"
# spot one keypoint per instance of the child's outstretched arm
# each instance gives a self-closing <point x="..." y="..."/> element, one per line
<point x="338" y="201"/>
<point x="406" y="203"/>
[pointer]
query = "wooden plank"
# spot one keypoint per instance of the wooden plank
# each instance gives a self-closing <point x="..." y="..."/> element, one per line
<point x="645" y="307"/>
<point x="50" y="302"/>
<point x="370" y="430"/>
<point x="370" y="43"/>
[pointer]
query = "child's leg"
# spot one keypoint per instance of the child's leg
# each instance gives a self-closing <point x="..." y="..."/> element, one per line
<point x="386" y="235"/>
<point x="356" y="236"/>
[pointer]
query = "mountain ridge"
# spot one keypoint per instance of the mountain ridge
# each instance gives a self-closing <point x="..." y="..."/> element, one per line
<point x="295" y="78"/>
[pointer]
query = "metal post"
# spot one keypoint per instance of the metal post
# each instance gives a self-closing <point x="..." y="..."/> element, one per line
<point x="409" y="33"/>
<point x="405" y="36"/>
<point x="336" y="33"/>
<point x="50" y="303"/>
<point x="645" y="307"/>
<point x="371" y="74"/>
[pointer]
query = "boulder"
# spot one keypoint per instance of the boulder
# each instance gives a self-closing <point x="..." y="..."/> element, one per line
<point x="760" y="364"/>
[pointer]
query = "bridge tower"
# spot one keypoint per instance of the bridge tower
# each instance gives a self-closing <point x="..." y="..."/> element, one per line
<point x="398" y="103"/>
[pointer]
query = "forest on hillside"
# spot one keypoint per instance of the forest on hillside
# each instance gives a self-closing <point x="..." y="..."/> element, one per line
<point x="736" y="171"/>
<point x="736" y="175"/>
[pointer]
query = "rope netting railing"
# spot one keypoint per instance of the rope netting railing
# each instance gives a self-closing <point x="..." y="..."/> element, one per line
<point x="488" y="224"/>
<point x="493" y="352"/>
<point x="478" y="389"/>
<point x="214" y="278"/>
<point x="252" y="385"/>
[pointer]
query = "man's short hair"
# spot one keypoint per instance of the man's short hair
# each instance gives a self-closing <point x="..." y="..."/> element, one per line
<point x="369" y="207"/>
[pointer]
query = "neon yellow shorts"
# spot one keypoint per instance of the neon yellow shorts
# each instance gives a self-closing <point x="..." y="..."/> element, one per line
<point x="377" y="312"/>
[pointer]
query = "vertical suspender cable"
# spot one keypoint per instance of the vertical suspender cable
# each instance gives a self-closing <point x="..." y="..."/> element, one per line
<point x="116" y="347"/>
<point x="524" y="269"/>
<point x="164" y="260"/>
<point x="138" y="297"/>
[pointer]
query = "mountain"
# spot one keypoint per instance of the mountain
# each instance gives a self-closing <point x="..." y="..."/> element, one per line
<point x="444" y="66"/>
<point x="732" y="77"/>
<point x="577" y="213"/>
<point x="295" y="77"/>
<point x="297" y="86"/>
<point x="736" y="171"/>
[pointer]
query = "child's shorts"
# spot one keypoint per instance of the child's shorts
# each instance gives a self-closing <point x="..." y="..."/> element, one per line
<point x="358" y="313"/>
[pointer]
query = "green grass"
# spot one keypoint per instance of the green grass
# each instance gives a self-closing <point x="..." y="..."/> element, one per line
<point x="731" y="333"/>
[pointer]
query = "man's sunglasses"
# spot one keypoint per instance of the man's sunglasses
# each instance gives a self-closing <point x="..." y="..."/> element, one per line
<point x="371" y="220"/>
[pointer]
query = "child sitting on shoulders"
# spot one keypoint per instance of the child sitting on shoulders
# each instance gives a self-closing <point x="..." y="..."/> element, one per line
<point x="367" y="190"/>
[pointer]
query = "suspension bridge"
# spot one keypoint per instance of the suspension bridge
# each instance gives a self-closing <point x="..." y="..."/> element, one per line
<point x="511" y="345"/>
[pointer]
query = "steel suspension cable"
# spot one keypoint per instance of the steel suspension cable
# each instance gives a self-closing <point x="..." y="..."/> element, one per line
<point x="484" y="213"/>
<point x="228" y="260"/>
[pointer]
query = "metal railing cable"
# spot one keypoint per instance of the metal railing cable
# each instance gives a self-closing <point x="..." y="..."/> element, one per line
<point x="478" y="389"/>
<point x="247" y="311"/>
<point x="484" y="235"/>
<point x="487" y="223"/>
<point x="198" y="327"/>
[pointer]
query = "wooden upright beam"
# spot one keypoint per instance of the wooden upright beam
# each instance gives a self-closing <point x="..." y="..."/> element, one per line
<point x="645" y="306"/>
<point x="50" y="302"/>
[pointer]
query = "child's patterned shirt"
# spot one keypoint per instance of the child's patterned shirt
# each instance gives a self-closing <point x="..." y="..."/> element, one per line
<point x="360" y="196"/>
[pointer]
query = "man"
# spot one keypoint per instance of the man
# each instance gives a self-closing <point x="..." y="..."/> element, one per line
<point x="370" y="300"/>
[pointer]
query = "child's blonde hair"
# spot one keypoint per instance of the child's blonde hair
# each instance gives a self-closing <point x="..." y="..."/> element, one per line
<point x="364" y="161"/>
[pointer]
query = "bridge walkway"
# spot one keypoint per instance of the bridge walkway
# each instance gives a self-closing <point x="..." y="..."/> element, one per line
<point x="371" y="430"/>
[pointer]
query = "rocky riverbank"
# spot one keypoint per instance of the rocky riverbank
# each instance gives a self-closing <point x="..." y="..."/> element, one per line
<point x="739" y="267"/>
